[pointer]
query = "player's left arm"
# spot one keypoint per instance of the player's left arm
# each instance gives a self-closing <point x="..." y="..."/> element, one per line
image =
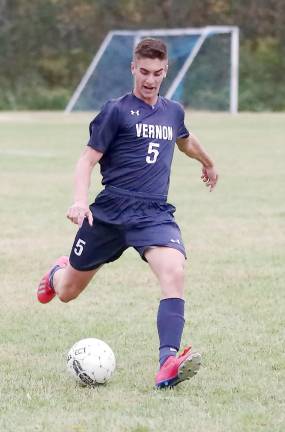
<point x="192" y="148"/>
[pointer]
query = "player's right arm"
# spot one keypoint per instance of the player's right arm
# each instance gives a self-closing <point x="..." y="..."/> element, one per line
<point x="102" y="131"/>
<point x="84" y="167"/>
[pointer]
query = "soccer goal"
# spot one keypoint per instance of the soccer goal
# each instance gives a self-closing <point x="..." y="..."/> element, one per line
<point x="203" y="68"/>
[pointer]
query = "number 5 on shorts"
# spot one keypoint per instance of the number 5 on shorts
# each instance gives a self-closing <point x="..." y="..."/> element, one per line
<point x="79" y="247"/>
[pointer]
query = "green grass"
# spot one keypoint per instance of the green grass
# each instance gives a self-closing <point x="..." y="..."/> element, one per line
<point x="235" y="287"/>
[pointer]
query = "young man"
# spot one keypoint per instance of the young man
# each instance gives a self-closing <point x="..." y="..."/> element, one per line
<point x="133" y="139"/>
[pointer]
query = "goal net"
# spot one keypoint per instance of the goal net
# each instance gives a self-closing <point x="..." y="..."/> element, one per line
<point x="203" y="69"/>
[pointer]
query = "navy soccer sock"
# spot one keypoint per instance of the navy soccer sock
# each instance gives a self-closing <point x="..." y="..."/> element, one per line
<point x="170" y="323"/>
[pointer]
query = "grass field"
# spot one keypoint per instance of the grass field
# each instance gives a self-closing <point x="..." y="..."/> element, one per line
<point x="235" y="309"/>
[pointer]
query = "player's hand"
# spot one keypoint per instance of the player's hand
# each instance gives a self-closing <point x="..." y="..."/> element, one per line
<point x="78" y="212"/>
<point x="210" y="177"/>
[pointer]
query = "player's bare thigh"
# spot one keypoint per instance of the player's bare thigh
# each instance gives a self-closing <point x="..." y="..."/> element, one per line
<point x="168" y="266"/>
<point x="69" y="282"/>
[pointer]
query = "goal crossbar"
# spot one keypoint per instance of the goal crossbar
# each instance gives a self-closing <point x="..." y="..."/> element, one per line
<point x="202" y="32"/>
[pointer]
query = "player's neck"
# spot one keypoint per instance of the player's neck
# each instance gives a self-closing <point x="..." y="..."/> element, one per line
<point x="149" y="101"/>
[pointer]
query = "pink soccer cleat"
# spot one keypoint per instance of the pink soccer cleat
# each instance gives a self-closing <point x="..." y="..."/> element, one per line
<point x="178" y="369"/>
<point x="45" y="291"/>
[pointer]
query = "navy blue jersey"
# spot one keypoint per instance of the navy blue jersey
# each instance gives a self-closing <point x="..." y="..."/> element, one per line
<point x="137" y="141"/>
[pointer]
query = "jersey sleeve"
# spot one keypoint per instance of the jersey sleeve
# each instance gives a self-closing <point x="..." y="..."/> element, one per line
<point x="104" y="127"/>
<point x="182" y="131"/>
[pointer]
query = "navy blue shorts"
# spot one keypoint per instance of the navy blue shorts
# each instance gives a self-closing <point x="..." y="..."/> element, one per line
<point x="122" y="220"/>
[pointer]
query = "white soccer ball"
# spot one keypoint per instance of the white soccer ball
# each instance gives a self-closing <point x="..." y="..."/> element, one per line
<point x="91" y="361"/>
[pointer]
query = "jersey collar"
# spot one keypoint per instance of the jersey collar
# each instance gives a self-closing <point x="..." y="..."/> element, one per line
<point x="143" y="103"/>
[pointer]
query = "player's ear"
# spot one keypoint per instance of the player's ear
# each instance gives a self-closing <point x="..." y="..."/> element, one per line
<point x="132" y="67"/>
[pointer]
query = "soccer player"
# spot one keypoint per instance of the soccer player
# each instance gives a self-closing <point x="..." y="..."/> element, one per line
<point x="133" y="139"/>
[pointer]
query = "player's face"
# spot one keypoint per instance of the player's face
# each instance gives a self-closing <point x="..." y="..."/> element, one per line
<point x="148" y="76"/>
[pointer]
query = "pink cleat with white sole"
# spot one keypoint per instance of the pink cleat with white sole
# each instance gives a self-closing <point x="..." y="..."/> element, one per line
<point x="178" y="369"/>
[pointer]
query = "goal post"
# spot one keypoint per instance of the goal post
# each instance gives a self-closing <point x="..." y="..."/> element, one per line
<point x="203" y="68"/>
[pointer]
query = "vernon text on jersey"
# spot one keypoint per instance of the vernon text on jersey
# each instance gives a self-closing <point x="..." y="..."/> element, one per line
<point x="154" y="131"/>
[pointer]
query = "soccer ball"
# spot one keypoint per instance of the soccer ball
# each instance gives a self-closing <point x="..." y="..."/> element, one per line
<point x="91" y="361"/>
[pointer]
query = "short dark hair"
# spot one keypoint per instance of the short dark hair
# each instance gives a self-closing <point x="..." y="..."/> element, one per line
<point x="151" y="48"/>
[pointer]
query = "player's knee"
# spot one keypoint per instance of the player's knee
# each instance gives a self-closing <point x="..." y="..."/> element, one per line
<point x="67" y="293"/>
<point x="66" y="297"/>
<point x="173" y="276"/>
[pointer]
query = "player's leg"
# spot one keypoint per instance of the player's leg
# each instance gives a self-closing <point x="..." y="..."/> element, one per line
<point x="64" y="281"/>
<point x="168" y="266"/>
<point x="164" y="251"/>
<point x="93" y="246"/>
<point x="68" y="282"/>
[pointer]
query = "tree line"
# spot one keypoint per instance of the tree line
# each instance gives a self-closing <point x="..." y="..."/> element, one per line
<point x="46" y="45"/>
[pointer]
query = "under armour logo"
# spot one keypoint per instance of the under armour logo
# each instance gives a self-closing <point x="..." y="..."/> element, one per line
<point x="135" y="112"/>
<point x="175" y="241"/>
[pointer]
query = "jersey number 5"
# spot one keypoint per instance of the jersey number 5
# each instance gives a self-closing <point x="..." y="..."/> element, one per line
<point x="153" y="152"/>
<point x="79" y="247"/>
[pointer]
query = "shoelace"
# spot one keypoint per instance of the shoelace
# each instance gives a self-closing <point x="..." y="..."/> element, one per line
<point x="185" y="351"/>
